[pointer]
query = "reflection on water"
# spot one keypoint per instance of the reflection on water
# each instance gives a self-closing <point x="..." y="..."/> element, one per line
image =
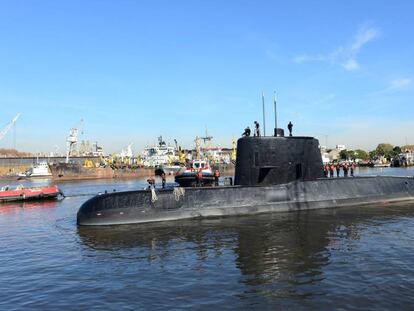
<point x="16" y="207"/>
<point x="283" y="259"/>
<point x="349" y="258"/>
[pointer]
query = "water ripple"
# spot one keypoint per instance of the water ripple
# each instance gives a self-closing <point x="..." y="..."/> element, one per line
<point x="352" y="258"/>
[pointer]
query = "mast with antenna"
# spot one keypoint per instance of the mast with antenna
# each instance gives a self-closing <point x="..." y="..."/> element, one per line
<point x="264" y="119"/>
<point x="274" y="101"/>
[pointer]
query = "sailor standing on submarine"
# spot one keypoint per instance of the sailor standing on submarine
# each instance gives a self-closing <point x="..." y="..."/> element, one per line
<point x="256" y="129"/>
<point x="290" y="127"/>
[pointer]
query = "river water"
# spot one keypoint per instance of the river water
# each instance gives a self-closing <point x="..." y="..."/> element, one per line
<point x="359" y="258"/>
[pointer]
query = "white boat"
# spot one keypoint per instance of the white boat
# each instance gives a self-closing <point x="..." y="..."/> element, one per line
<point x="169" y="169"/>
<point x="161" y="154"/>
<point x="41" y="169"/>
<point x="382" y="164"/>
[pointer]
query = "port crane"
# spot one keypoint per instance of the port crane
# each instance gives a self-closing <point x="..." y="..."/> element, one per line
<point x="180" y="153"/>
<point x="7" y="128"/>
<point x="72" y="139"/>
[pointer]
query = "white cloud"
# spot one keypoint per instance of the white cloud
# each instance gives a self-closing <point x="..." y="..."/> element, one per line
<point x="396" y="85"/>
<point x="362" y="37"/>
<point x="346" y="56"/>
<point x="399" y="84"/>
<point x="330" y="58"/>
<point x="351" y="65"/>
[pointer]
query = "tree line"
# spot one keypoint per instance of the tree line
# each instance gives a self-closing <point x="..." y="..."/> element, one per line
<point x="385" y="150"/>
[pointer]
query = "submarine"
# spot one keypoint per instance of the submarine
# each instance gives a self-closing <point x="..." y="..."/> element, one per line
<point x="272" y="174"/>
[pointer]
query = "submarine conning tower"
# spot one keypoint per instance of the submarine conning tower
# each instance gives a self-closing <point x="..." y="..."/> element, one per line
<point x="272" y="160"/>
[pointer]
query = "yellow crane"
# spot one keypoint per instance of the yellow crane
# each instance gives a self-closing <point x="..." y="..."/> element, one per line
<point x="233" y="152"/>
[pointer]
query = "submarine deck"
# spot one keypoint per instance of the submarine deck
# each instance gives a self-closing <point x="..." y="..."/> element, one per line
<point x="140" y="207"/>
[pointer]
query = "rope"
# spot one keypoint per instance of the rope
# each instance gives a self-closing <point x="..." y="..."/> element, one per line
<point x="178" y="192"/>
<point x="153" y="195"/>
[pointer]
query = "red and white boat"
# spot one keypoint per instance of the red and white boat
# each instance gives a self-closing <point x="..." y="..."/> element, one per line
<point x="20" y="193"/>
<point x="190" y="176"/>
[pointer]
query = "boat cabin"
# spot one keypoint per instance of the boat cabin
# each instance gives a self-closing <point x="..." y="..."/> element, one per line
<point x="199" y="164"/>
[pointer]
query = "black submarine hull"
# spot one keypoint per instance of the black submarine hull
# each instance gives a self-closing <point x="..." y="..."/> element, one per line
<point x="140" y="207"/>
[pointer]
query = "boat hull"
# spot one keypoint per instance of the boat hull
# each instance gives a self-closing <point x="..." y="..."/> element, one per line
<point x="26" y="194"/>
<point x="74" y="171"/>
<point x="189" y="180"/>
<point x="140" y="206"/>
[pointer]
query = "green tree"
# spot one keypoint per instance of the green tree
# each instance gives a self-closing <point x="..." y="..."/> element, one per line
<point x="361" y="154"/>
<point x="351" y="154"/>
<point x="395" y="151"/>
<point x="343" y="155"/>
<point x="372" y="154"/>
<point x="384" y="150"/>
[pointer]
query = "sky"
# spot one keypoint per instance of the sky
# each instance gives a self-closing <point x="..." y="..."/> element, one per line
<point x="343" y="71"/>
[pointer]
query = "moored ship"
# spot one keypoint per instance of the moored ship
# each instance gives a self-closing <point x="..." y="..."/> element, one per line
<point x="73" y="171"/>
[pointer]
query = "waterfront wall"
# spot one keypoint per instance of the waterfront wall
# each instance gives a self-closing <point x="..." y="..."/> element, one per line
<point x="10" y="165"/>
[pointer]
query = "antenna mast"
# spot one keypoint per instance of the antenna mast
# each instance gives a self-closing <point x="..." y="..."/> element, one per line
<point x="274" y="101"/>
<point x="264" y="119"/>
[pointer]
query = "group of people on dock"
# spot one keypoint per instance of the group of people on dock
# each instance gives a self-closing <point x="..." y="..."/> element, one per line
<point x="330" y="168"/>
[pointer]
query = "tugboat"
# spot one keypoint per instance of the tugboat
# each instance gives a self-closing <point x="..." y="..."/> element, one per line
<point x="199" y="174"/>
<point x="20" y="193"/>
<point x="41" y="170"/>
<point x="273" y="174"/>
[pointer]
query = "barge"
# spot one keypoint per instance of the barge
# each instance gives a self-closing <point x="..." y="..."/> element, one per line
<point x="21" y="193"/>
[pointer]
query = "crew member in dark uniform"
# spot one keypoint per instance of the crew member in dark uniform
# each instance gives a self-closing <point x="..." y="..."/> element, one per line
<point x="290" y="127"/>
<point x="163" y="180"/>
<point x="246" y="132"/>
<point x="256" y="129"/>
